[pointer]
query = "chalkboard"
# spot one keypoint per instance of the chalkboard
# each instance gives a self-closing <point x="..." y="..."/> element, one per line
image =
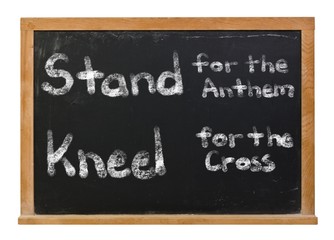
<point x="167" y="122"/>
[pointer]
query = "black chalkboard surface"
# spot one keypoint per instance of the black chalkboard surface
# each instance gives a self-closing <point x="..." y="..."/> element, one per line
<point x="217" y="113"/>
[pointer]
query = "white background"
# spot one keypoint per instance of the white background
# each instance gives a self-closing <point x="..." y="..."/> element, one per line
<point x="11" y="11"/>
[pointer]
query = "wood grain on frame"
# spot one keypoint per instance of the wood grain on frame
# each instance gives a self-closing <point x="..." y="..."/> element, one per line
<point x="167" y="24"/>
<point x="169" y="219"/>
<point x="308" y="122"/>
<point x="27" y="127"/>
<point x="29" y="25"/>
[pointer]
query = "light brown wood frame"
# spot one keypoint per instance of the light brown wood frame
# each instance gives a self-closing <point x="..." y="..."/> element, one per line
<point x="29" y="25"/>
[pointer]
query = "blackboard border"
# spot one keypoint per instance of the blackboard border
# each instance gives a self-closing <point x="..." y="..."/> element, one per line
<point x="305" y="25"/>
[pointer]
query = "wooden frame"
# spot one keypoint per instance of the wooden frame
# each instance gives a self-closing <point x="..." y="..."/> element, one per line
<point x="29" y="25"/>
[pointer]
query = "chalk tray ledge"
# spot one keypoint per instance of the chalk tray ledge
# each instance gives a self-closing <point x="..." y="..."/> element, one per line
<point x="169" y="219"/>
